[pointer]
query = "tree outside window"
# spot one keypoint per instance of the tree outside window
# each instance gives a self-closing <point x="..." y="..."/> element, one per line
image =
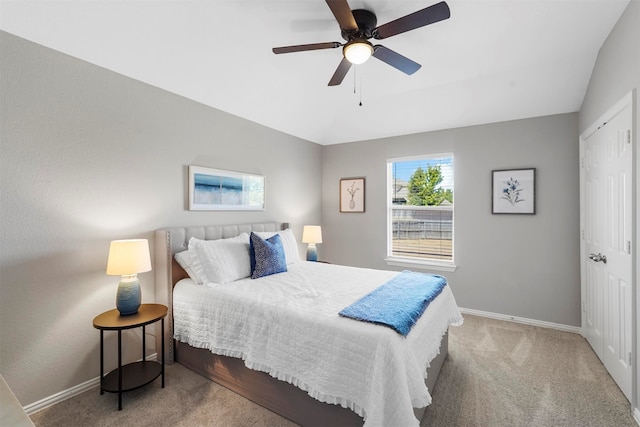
<point x="424" y="188"/>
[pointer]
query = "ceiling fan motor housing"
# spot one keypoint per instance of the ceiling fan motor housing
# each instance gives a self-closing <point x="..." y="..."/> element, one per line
<point x="366" y="21"/>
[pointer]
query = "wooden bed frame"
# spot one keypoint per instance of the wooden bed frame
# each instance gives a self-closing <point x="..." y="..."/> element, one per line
<point x="259" y="387"/>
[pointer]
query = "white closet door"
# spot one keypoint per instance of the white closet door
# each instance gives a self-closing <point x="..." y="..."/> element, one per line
<point x="606" y="245"/>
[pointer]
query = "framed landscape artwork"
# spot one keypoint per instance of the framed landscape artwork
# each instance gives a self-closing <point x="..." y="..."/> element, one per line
<point x="351" y="195"/>
<point x="514" y="191"/>
<point x="215" y="189"/>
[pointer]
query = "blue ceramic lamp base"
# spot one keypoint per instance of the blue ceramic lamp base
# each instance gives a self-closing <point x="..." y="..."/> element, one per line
<point x="312" y="253"/>
<point x="128" y="296"/>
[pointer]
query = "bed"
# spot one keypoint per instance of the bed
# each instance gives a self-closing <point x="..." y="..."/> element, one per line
<point x="372" y="373"/>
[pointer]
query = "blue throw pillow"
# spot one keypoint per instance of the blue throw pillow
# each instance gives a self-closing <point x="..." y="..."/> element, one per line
<point x="267" y="256"/>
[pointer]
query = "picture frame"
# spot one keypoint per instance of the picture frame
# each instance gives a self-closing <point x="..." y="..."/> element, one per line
<point x="216" y="189"/>
<point x="352" y="191"/>
<point x="514" y="191"/>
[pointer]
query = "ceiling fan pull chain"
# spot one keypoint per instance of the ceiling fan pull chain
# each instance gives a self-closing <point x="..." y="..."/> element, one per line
<point x="355" y="73"/>
<point x="357" y="81"/>
<point x="360" y="84"/>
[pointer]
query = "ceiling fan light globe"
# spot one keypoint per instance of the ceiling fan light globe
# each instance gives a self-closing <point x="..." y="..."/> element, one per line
<point x="358" y="51"/>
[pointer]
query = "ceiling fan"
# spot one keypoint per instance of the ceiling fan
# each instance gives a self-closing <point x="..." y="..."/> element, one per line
<point x="359" y="25"/>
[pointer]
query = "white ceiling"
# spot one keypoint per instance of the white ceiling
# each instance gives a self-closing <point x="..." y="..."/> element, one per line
<point x="491" y="61"/>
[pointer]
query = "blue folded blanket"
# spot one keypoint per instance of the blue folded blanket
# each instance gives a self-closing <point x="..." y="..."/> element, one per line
<point x="398" y="303"/>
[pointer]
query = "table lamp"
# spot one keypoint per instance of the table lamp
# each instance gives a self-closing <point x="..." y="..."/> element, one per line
<point x="312" y="234"/>
<point x="127" y="258"/>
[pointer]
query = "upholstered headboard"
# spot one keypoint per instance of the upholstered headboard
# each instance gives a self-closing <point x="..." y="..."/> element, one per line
<point x="170" y="241"/>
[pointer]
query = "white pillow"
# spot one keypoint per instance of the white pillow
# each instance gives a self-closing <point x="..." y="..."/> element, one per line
<point x="222" y="260"/>
<point x="289" y="243"/>
<point x="188" y="261"/>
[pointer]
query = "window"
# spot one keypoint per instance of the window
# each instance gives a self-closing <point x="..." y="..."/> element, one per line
<point x="420" y="210"/>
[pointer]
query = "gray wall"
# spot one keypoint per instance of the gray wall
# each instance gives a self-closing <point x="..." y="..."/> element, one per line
<point x="616" y="73"/>
<point x="88" y="156"/>
<point x="617" y="69"/>
<point x="519" y="265"/>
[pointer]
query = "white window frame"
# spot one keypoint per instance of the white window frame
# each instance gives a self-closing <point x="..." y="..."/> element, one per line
<point x="411" y="262"/>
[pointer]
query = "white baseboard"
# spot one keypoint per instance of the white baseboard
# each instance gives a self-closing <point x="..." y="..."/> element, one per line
<point x="68" y="393"/>
<point x="95" y="382"/>
<point x="523" y="320"/>
<point x="61" y="396"/>
<point x="636" y="415"/>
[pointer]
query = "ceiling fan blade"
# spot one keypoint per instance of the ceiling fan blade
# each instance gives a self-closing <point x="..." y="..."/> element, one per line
<point x="303" y="47"/>
<point x="396" y="60"/>
<point x="342" y="11"/>
<point x="341" y="71"/>
<point x="435" y="13"/>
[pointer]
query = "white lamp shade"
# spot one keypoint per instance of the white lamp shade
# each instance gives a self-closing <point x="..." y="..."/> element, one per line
<point x="358" y="52"/>
<point x="128" y="257"/>
<point x="312" y="234"/>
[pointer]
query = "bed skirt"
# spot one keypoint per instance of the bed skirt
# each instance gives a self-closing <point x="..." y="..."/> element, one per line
<point x="278" y="396"/>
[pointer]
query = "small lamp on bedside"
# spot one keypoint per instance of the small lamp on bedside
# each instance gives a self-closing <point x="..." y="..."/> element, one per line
<point x="312" y="234"/>
<point x="127" y="258"/>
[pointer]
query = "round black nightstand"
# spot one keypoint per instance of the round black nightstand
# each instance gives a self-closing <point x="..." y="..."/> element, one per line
<point x="137" y="374"/>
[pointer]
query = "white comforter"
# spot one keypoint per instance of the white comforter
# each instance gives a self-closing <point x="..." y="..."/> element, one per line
<point x="287" y="325"/>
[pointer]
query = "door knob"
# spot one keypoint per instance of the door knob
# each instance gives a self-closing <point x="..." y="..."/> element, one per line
<point x="598" y="258"/>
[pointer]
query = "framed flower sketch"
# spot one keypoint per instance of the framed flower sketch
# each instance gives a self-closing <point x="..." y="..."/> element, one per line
<point x="214" y="189"/>
<point x="351" y="195"/>
<point x="514" y="191"/>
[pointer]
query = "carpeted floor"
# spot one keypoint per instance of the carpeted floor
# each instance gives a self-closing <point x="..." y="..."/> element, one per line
<point x="497" y="374"/>
<point x="507" y="374"/>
